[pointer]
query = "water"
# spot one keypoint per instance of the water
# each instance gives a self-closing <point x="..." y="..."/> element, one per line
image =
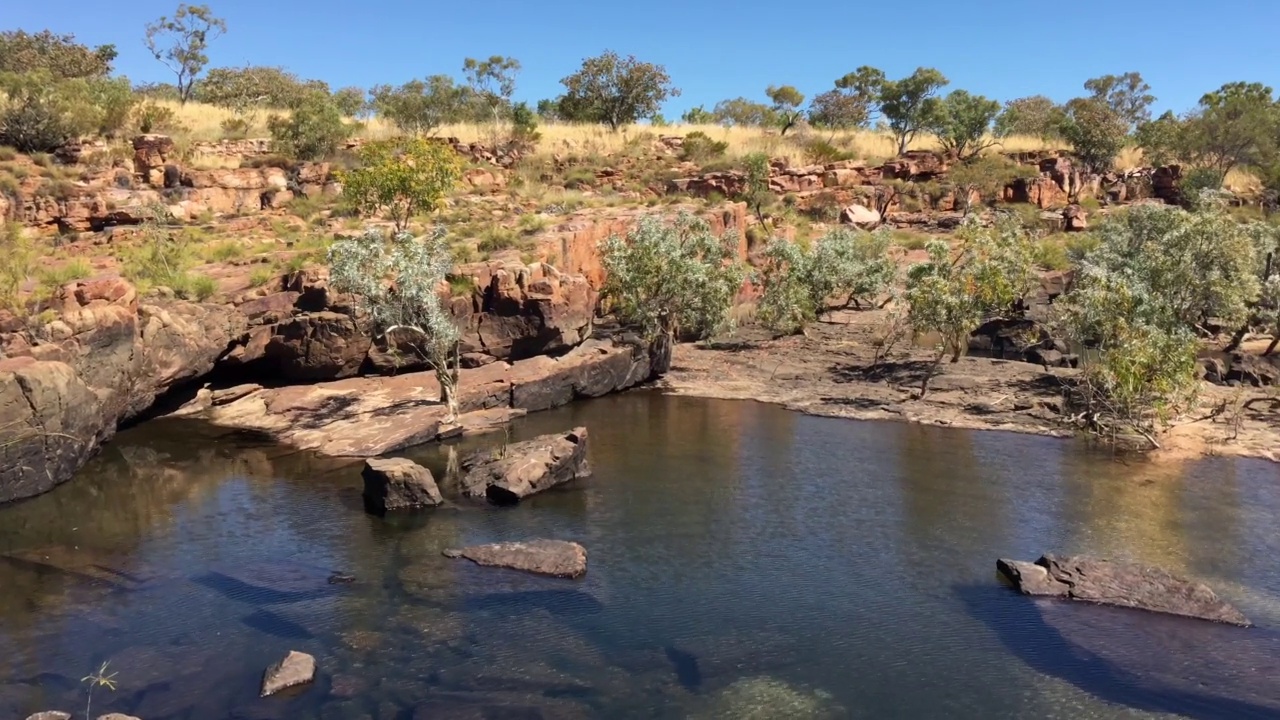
<point x="745" y="562"/>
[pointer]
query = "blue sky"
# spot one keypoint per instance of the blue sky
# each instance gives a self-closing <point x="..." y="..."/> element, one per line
<point x="715" y="50"/>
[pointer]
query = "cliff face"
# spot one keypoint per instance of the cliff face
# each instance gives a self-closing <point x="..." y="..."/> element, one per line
<point x="65" y="386"/>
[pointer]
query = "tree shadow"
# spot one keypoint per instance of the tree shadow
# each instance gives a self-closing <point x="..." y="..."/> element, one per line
<point x="895" y="372"/>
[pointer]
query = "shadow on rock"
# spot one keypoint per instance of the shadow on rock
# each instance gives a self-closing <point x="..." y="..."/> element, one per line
<point x="1143" y="660"/>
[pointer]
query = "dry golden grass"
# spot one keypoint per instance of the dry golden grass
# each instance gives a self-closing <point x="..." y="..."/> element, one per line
<point x="204" y="122"/>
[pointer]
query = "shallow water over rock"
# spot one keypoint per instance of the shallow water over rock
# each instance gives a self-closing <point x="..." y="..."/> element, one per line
<point x="746" y="562"/>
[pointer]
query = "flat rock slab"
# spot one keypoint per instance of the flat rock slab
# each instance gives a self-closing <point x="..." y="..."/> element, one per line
<point x="1120" y="584"/>
<point x="398" y="484"/>
<point x="512" y="472"/>
<point x="371" y="416"/>
<point x="557" y="558"/>
<point x="296" y="668"/>
<point x="50" y="715"/>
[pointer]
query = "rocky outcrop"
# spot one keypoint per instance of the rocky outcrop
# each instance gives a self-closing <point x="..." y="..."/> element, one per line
<point x="398" y="484"/>
<point x="508" y="474"/>
<point x="65" y="385"/>
<point x="299" y="331"/>
<point x="370" y="416"/>
<point x="1119" y="584"/>
<point x="296" y="668"/>
<point x="556" y="558"/>
<point x="1020" y="339"/>
<point x="1241" y="368"/>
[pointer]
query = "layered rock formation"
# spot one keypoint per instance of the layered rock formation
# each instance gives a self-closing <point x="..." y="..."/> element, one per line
<point x="65" y="385"/>
<point x="513" y="472"/>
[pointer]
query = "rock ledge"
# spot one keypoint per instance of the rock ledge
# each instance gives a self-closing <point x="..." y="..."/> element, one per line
<point x="1119" y="584"/>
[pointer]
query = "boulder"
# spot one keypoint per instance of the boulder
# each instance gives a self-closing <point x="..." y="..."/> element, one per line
<point x="512" y="472"/>
<point x="557" y="558"/>
<point x="860" y="216"/>
<point x="1075" y="219"/>
<point x="398" y="484"/>
<point x="296" y="668"/>
<point x="1120" y="584"/>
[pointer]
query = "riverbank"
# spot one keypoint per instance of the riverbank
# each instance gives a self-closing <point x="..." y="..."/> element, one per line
<point x="831" y="371"/>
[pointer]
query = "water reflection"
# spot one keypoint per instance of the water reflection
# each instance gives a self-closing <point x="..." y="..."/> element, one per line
<point x="741" y="556"/>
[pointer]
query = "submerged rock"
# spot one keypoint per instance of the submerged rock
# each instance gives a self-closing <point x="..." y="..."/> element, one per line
<point x="50" y="715"/>
<point x="294" y="669"/>
<point x="765" y="698"/>
<point x="1120" y="584"/>
<point x="398" y="484"/>
<point x="557" y="558"/>
<point x="117" y="716"/>
<point x="516" y="471"/>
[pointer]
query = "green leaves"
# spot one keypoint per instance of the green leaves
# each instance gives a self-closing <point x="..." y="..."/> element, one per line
<point x="798" y="283"/>
<point x="955" y="291"/>
<point x="398" y="281"/>
<point x="402" y="177"/>
<point x="615" y="90"/>
<point x="313" y="131"/>
<point x="665" y="278"/>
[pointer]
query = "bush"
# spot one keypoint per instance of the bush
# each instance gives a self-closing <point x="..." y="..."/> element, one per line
<point x="148" y="117"/>
<point x="953" y="293"/>
<point x="313" y="131"/>
<point x="666" y="278"/>
<point x="800" y="283"/>
<point x="41" y="114"/>
<point x="1154" y="279"/>
<point x="524" y="124"/>
<point x="402" y="178"/>
<point x="235" y="127"/>
<point x="699" y="147"/>
<point x="17" y="258"/>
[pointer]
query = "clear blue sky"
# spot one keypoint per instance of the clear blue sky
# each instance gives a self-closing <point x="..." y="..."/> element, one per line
<point x="715" y="49"/>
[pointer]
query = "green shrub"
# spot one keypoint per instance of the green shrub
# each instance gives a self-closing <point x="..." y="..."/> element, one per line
<point x="699" y="147"/>
<point x="148" y="117"/>
<point x="497" y="238"/>
<point x="235" y="127"/>
<point x="7" y="154"/>
<point x="224" y="251"/>
<point x="77" y="269"/>
<point x="314" y="131"/>
<point x="819" y="151"/>
<point x="262" y="276"/>
<point x="16" y="261"/>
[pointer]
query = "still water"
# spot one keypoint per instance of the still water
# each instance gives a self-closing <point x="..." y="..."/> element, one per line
<point x="745" y="562"/>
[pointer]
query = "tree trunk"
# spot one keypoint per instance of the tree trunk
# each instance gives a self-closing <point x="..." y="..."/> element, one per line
<point x="448" y="379"/>
<point x="1274" y="341"/>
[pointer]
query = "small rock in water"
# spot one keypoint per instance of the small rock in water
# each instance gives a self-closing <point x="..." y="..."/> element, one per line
<point x="398" y="484"/>
<point x="518" y="470"/>
<point x="1120" y="584"/>
<point x="296" y="668"/>
<point x="50" y="715"/>
<point x="557" y="558"/>
<point x="339" y="578"/>
<point x="117" y="716"/>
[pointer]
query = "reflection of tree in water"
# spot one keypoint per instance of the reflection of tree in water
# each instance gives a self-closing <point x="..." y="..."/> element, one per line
<point x="951" y="498"/>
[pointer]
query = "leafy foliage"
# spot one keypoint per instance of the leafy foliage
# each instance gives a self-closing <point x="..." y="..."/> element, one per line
<point x="419" y="106"/>
<point x="39" y="113"/>
<point x="800" y="282"/>
<point x="786" y="105"/>
<point x="1036" y="116"/>
<point x="402" y="178"/>
<point x="59" y="55"/>
<point x="1155" y="276"/>
<point x="698" y="116"/>
<point x="181" y="43"/>
<point x="699" y="147"/>
<point x="17" y="261"/>
<point x="616" y="91"/>
<point x="667" y="278"/>
<point x="1096" y="132"/>
<point x="1127" y="95"/>
<point x="492" y="82"/>
<point x="962" y="123"/>
<point x="1236" y="125"/>
<point x="756" y="191"/>
<point x="910" y="105"/>
<point x="986" y="175"/>
<point x="742" y="112"/>
<point x="398" y="281"/>
<point x="850" y="103"/>
<point x="954" y="292"/>
<point x="313" y="131"/>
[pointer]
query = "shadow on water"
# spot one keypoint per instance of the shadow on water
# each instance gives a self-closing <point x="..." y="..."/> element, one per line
<point x="236" y="589"/>
<point x="559" y="603"/>
<point x="686" y="667"/>
<point x="269" y="623"/>
<point x="1146" y="661"/>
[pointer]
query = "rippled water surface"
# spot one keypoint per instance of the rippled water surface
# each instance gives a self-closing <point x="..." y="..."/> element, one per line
<point x="745" y="562"/>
